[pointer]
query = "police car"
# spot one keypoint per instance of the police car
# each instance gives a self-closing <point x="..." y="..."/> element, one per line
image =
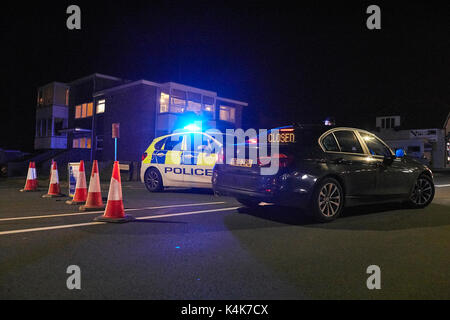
<point x="181" y="159"/>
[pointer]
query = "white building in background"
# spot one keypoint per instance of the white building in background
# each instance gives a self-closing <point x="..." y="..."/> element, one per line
<point x="428" y="141"/>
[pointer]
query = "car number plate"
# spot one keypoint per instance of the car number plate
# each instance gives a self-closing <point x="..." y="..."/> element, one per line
<point x="241" y="162"/>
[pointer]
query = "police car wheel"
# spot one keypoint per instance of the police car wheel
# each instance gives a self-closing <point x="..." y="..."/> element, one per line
<point x="327" y="201"/>
<point x="153" y="180"/>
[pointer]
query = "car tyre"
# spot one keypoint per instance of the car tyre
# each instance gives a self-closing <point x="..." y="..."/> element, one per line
<point x="422" y="193"/>
<point x="153" y="180"/>
<point x="327" y="201"/>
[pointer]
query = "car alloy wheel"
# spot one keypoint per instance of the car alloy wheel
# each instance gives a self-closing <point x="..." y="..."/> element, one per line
<point x="153" y="180"/>
<point x="422" y="192"/>
<point x="329" y="200"/>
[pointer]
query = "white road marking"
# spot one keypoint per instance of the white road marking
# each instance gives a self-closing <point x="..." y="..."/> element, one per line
<point x="185" y="213"/>
<point x="98" y="223"/>
<point x="442" y="185"/>
<point x="93" y="212"/>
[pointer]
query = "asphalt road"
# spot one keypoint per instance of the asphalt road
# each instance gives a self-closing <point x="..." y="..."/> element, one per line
<point x="188" y="244"/>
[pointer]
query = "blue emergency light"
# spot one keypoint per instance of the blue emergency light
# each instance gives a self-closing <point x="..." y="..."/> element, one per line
<point x="192" y="127"/>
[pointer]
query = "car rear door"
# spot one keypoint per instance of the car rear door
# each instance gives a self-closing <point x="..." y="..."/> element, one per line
<point x="198" y="160"/>
<point x="169" y="159"/>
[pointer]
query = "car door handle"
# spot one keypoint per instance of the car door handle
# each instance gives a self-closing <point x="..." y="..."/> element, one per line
<point x="188" y="156"/>
<point x="160" y="154"/>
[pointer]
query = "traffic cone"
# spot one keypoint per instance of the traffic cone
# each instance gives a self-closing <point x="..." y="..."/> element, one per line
<point x="94" y="197"/>
<point x="32" y="182"/>
<point x="114" y="207"/>
<point x="80" y="195"/>
<point x="54" y="190"/>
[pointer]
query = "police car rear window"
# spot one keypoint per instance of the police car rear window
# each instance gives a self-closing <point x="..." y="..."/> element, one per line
<point x="172" y="142"/>
<point x="160" y="144"/>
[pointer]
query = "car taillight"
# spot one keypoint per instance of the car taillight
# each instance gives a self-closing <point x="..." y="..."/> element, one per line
<point x="283" y="160"/>
<point x="220" y="157"/>
<point x="144" y="155"/>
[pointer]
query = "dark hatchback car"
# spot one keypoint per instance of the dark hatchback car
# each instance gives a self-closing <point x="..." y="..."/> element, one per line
<point x="323" y="169"/>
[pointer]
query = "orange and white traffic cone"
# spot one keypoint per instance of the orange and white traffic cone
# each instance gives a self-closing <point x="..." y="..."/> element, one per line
<point x="32" y="182"/>
<point x="54" y="190"/>
<point x="80" y="195"/>
<point x="114" y="207"/>
<point x="94" y="197"/>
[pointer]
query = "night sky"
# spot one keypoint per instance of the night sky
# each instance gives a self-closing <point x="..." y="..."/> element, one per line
<point x="289" y="63"/>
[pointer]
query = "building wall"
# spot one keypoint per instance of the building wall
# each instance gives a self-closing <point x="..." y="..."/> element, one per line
<point x="134" y="108"/>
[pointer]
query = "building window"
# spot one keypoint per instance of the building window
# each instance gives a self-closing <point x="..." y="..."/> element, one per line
<point x="99" y="143"/>
<point x="177" y="105"/>
<point x="49" y="128"/>
<point x="90" y="108"/>
<point x="84" y="110"/>
<point x="194" y="107"/>
<point x="101" y="106"/>
<point x="81" y="143"/>
<point x="164" y="103"/>
<point x="227" y="114"/>
<point x="59" y="125"/>
<point x="208" y="107"/>
<point x="389" y="122"/>
<point x="67" y="97"/>
<point x="208" y="104"/>
<point x="77" y="112"/>
<point x="40" y="98"/>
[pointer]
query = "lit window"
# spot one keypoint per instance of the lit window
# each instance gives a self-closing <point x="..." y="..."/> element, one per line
<point x="77" y="112"/>
<point x="67" y="97"/>
<point x="83" y="110"/>
<point x="194" y="107"/>
<point x="88" y="143"/>
<point x="177" y="105"/>
<point x="164" y="103"/>
<point x="76" y="143"/>
<point x="90" y="108"/>
<point x="209" y="108"/>
<point x="101" y="106"/>
<point x="227" y="114"/>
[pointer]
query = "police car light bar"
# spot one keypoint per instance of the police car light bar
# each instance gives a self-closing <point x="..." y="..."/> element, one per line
<point x="192" y="127"/>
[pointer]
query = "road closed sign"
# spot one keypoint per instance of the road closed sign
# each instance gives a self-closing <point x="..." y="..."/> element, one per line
<point x="73" y="168"/>
<point x="116" y="130"/>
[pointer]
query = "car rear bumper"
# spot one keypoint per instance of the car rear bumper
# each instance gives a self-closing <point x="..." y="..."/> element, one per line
<point x="283" y="192"/>
<point x="291" y="199"/>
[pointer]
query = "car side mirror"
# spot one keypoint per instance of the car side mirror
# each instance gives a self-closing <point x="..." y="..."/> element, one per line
<point x="399" y="153"/>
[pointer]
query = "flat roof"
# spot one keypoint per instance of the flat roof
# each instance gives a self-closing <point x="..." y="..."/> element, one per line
<point x="126" y="85"/>
<point x="97" y="75"/>
<point x="169" y="85"/>
<point x="245" y="104"/>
